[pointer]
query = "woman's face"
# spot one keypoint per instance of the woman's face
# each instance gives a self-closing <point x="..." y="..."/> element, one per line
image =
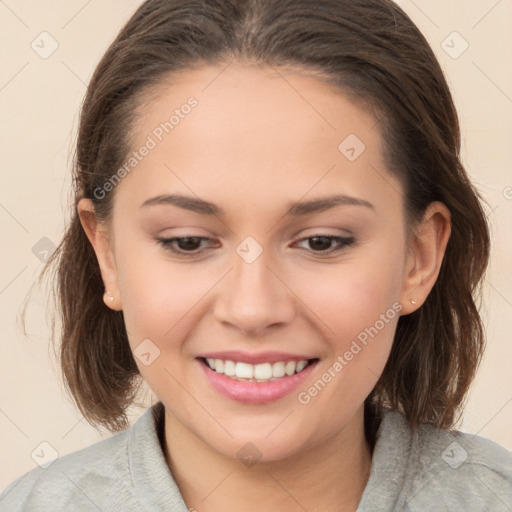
<point x="252" y="143"/>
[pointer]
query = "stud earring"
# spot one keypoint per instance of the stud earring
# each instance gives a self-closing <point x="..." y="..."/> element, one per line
<point x="108" y="296"/>
<point x="413" y="302"/>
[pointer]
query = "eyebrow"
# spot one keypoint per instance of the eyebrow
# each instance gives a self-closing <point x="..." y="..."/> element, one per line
<point x="296" y="209"/>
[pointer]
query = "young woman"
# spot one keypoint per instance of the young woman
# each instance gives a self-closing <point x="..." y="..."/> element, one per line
<point x="273" y="229"/>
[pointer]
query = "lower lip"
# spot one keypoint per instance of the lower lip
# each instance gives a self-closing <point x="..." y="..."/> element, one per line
<point x="256" y="392"/>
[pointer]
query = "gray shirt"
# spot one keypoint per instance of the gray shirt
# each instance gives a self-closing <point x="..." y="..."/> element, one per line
<point x="432" y="470"/>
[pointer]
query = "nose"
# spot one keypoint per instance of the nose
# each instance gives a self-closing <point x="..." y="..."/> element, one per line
<point x="254" y="297"/>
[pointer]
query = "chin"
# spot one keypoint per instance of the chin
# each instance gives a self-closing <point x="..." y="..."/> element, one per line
<point x="250" y="445"/>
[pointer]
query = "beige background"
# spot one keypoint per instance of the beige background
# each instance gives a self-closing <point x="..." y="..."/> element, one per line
<point x="39" y="102"/>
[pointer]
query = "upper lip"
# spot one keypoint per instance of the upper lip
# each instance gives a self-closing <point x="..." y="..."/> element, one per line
<point x="254" y="358"/>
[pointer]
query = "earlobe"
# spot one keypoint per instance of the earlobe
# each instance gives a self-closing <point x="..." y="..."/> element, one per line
<point x="99" y="240"/>
<point x="426" y="254"/>
<point x="110" y="301"/>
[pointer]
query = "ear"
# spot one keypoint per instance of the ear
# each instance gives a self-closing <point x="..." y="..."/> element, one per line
<point x="98" y="236"/>
<point x="427" y="248"/>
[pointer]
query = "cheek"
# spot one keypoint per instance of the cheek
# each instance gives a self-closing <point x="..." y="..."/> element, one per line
<point x="155" y="297"/>
<point x="160" y="301"/>
<point x="358" y="316"/>
<point x="162" y="297"/>
<point x="357" y="305"/>
<point x="352" y="295"/>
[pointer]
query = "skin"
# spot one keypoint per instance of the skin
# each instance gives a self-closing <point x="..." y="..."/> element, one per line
<point x="256" y="141"/>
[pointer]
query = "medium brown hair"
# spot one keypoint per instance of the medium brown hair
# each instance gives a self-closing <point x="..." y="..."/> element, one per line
<point x="376" y="55"/>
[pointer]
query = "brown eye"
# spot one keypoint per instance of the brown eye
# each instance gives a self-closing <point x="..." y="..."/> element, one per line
<point x="183" y="245"/>
<point x="323" y="243"/>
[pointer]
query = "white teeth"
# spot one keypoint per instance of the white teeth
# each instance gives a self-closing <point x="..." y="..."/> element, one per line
<point x="290" y="367"/>
<point x="278" y="370"/>
<point x="229" y="368"/>
<point x="263" y="372"/>
<point x="301" y="365"/>
<point x="244" y="370"/>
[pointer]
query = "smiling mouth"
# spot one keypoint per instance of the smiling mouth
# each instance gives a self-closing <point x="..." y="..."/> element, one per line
<point x="264" y="372"/>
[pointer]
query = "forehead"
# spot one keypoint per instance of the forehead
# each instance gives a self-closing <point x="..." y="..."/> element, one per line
<point x="255" y="103"/>
<point x="260" y="131"/>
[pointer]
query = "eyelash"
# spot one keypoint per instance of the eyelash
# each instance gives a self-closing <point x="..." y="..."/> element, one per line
<point x="167" y="243"/>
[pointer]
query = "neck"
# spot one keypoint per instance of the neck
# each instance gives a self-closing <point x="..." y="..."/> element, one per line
<point x="331" y="475"/>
